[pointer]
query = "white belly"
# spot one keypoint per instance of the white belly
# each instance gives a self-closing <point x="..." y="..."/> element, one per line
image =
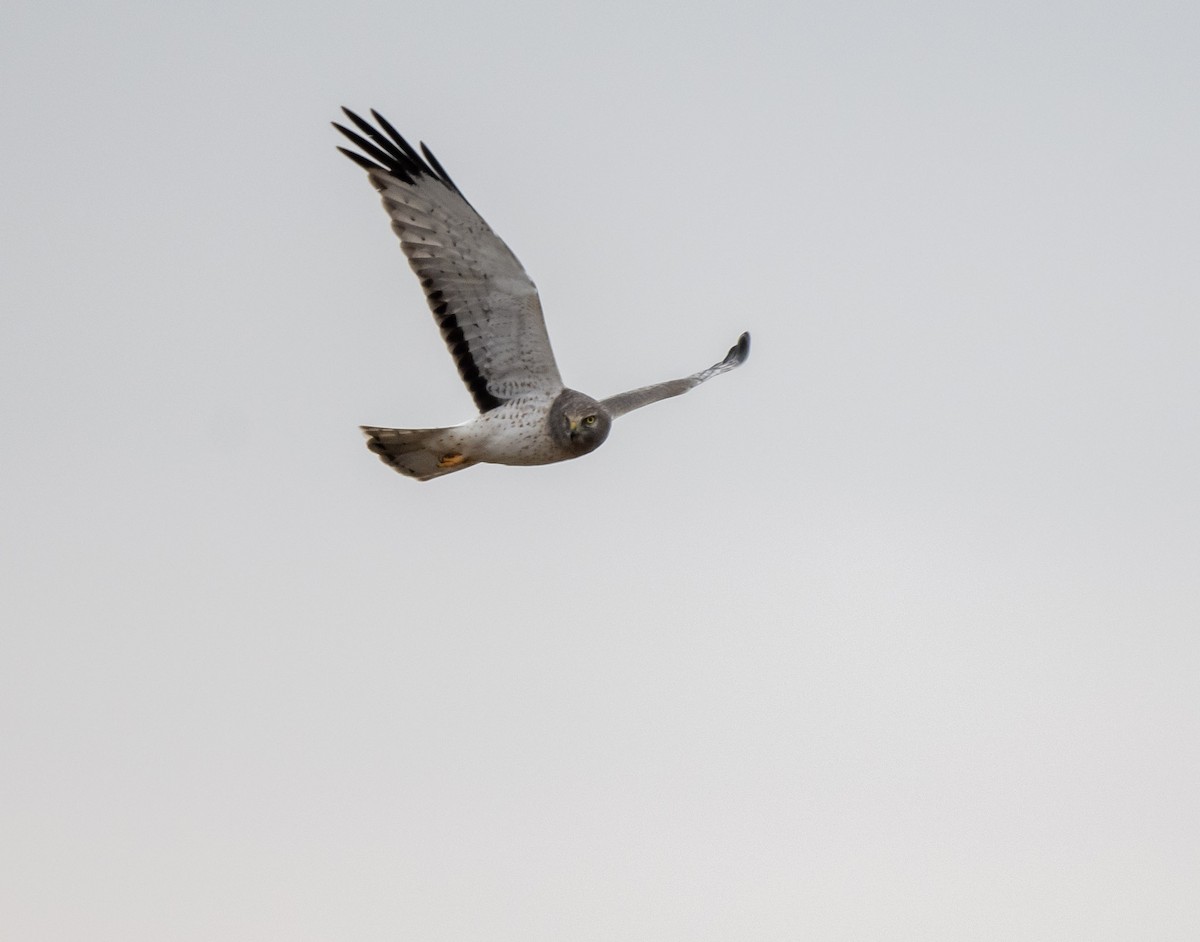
<point x="515" y="433"/>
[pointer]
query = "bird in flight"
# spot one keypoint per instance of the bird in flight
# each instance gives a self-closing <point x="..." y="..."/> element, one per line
<point x="491" y="320"/>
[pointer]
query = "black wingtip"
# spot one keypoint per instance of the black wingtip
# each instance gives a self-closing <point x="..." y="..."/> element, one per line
<point x="360" y="159"/>
<point x="436" y="165"/>
<point x="391" y="152"/>
<point x="740" y="351"/>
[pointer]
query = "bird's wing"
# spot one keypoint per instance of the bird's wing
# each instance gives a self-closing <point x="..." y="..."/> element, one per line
<point x="486" y="306"/>
<point x="636" y="398"/>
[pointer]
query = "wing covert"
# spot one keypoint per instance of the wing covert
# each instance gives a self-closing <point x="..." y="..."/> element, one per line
<point x="485" y="305"/>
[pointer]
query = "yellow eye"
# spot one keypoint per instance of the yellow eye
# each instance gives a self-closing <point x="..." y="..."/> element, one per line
<point x="589" y="420"/>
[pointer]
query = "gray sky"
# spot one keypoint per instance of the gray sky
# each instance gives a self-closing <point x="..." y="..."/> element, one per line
<point x="891" y="634"/>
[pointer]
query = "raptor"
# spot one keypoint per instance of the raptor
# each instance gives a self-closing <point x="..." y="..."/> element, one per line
<point x="490" y="317"/>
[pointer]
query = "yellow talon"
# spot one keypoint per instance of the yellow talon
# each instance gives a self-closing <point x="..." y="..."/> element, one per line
<point x="452" y="460"/>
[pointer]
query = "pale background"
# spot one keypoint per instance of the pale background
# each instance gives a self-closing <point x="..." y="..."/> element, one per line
<point x="891" y="634"/>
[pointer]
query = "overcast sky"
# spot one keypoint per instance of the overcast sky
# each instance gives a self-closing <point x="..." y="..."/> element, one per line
<point x="893" y="633"/>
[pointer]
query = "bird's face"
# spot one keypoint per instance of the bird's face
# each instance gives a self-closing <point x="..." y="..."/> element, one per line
<point x="579" y="423"/>
<point x="587" y="431"/>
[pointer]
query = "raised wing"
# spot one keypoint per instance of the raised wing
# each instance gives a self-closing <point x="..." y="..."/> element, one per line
<point x="485" y="305"/>
<point x="636" y="398"/>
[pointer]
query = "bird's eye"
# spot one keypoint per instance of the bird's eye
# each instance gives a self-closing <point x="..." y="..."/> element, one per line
<point x="589" y="420"/>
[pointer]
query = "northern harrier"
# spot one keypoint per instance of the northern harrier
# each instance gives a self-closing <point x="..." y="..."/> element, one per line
<point x="491" y="320"/>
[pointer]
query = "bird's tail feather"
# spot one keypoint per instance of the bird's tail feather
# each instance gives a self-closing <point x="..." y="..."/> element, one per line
<point x="421" y="453"/>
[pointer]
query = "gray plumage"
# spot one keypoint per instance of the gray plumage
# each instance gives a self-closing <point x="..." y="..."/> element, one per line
<point x="488" y="311"/>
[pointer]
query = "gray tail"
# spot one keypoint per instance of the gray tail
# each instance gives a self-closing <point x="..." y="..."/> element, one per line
<point x="419" y="453"/>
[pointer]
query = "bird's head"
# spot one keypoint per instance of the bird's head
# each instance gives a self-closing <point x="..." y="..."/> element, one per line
<point x="578" y="423"/>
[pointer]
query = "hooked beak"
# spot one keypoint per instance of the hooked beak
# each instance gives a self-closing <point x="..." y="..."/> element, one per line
<point x="572" y="426"/>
